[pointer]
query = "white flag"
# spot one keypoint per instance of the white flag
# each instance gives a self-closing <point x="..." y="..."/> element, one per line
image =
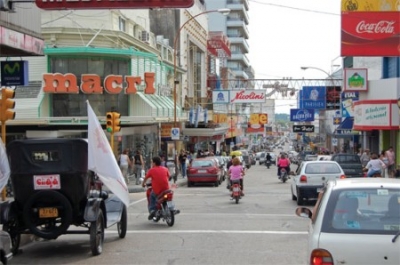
<point x="102" y="160"/>
<point x="4" y="166"/>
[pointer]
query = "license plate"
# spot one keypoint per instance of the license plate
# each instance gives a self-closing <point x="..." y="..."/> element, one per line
<point x="202" y="171"/>
<point x="236" y="189"/>
<point x="170" y="204"/>
<point x="48" y="212"/>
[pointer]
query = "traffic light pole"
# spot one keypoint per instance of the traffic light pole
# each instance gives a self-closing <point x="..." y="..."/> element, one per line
<point x="112" y="141"/>
<point x="3" y="137"/>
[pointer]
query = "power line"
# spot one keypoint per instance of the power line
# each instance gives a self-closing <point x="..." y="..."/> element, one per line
<point x="295" y="8"/>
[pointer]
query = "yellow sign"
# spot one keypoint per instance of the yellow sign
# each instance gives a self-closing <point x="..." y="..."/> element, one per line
<point x="166" y="129"/>
<point x="220" y="118"/>
<point x="370" y="5"/>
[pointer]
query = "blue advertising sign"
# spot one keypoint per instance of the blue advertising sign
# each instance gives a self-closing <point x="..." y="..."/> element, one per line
<point x="347" y="103"/>
<point x="220" y="97"/>
<point x="314" y="97"/>
<point x="301" y="115"/>
<point x="300" y="100"/>
<point x="14" y="73"/>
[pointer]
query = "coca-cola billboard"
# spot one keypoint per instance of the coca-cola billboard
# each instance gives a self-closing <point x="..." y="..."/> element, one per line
<point x="370" y="28"/>
<point x="112" y="4"/>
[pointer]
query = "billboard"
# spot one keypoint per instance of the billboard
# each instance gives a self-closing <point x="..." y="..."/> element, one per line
<point x="301" y="115"/>
<point x="247" y="96"/>
<point x="257" y="122"/>
<point x="314" y="97"/>
<point x="347" y="106"/>
<point x="112" y="4"/>
<point x="370" y="28"/>
<point x="333" y="97"/>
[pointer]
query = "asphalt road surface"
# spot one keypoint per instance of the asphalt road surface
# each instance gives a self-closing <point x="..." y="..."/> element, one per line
<point x="211" y="229"/>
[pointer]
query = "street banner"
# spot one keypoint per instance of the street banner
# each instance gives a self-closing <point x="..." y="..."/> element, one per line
<point x="301" y="115"/>
<point x="101" y="159"/>
<point x="314" y="97"/>
<point x="370" y="28"/>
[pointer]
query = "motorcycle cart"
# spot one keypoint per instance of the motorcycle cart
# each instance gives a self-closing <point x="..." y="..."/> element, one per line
<point x="56" y="194"/>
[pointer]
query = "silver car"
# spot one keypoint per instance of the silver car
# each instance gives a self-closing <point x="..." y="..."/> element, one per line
<point x="355" y="221"/>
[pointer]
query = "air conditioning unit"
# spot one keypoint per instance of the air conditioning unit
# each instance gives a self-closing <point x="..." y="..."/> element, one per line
<point x="145" y="36"/>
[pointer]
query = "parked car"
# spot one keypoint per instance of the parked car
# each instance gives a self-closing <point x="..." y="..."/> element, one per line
<point x="350" y="163"/>
<point x="354" y="216"/>
<point x="324" y="158"/>
<point x="310" y="178"/>
<point x="310" y="158"/>
<point x="258" y="154"/>
<point x="262" y="159"/>
<point x="204" y="170"/>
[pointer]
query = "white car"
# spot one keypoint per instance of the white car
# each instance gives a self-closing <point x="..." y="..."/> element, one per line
<point x="311" y="177"/>
<point x="355" y="221"/>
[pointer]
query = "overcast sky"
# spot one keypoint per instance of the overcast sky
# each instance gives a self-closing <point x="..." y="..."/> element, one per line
<point x="288" y="34"/>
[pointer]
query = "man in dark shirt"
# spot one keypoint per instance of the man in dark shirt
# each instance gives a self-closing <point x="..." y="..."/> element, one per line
<point x="182" y="161"/>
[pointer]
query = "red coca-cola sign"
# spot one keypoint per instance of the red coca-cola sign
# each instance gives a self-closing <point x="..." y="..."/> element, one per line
<point x="112" y="4"/>
<point x="370" y="34"/>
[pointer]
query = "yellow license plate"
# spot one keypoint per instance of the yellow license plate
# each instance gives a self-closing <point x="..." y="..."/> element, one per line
<point x="48" y="212"/>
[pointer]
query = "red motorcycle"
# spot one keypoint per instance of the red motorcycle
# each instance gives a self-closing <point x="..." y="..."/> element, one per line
<point x="236" y="191"/>
<point x="165" y="206"/>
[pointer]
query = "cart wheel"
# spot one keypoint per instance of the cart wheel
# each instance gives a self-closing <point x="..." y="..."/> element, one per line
<point x="11" y="227"/>
<point x="123" y="223"/>
<point x="170" y="216"/>
<point x="52" y="227"/>
<point x="97" y="234"/>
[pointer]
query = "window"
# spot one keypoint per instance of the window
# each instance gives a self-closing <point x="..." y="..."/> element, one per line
<point x="121" y="24"/>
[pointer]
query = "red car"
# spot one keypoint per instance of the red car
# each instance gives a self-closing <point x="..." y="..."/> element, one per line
<point x="204" y="170"/>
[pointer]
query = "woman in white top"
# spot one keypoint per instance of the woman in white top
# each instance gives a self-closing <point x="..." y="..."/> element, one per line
<point x="124" y="163"/>
<point x="374" y="166"/>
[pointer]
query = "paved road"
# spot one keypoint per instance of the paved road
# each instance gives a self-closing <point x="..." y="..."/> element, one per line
<point x="211" y="229"/>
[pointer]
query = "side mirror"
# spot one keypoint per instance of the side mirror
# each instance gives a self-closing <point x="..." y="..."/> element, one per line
<point x="304" y="212"/>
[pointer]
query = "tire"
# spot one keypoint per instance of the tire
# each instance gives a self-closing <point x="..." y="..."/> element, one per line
<point x="216" y="184"/>
<point x="189" y="184"/>
<point x="170" y="216"/>
<point x="97" y="234"/>
<point x="237" y="199"/>
<point x="11" y="227"/>
<point x="53" y="227"/>
<point x="294" y="198"/>
<point x="299" y="198"/>
<point x="123" y="223"/>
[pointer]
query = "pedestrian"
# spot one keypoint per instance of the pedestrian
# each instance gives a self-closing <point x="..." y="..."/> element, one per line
<point x="365" y="157"/>
<point x="182" y="162"/>
<point x="139" y="166"/>
<point x="124" y="163"/>
<point x="391" y="158"/>
<point x="385" y="160"/>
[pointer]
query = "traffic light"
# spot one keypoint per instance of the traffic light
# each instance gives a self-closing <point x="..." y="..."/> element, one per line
<point x="7" y="104"/>
<point x="113" y="124"/>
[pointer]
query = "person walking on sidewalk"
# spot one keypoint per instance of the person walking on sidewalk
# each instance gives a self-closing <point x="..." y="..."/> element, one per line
<point x="124" y="163"/>
<point x="182" y="161"/>
<point x="391" y="158"/>
<point x="139" y="165"/>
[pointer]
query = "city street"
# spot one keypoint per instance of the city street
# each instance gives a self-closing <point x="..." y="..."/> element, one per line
<point x="211" y="229"/>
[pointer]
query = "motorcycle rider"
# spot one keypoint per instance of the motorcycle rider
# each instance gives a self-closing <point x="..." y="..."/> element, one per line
<point x="236" y="172"/>
<point x="228" y="185"/>
<point x="159" y="176"/>
<point x="268" y="158"/>
<point x="283" y="162"/>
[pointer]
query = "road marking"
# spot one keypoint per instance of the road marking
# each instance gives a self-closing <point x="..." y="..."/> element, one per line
<point x="211" y="232"/>
<point x="136" y="202"/>
<point x="226" y="214"/>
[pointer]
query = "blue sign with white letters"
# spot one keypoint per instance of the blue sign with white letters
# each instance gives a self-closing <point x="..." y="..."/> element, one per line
<point x="301" y="115"/>
<point x="314" y="97"/>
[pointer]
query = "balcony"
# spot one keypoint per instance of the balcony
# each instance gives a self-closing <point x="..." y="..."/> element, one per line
<point x="239" y="9"/>
<point x="240" y="42"/>
<point x="240" y="74"/>
<point x="245" y="3"/>
<point x="240" y="57"/>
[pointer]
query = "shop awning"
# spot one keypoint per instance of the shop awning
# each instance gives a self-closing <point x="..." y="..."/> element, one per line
<point x="346" y="124"/>
<point x="154" y="106"/>
<point x="345" y="128"/>
<point x="208" y="132"/>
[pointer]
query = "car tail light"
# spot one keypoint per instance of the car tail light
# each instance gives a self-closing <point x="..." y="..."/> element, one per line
<point x="342" y="177"/>
<point x="192" y="170"/>
<point x="213" y="170"/>
<point x="321" y="257"/>
<point x="303" y="179"/>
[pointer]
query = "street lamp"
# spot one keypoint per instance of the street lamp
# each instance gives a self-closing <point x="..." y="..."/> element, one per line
<point x="223" y="11"/>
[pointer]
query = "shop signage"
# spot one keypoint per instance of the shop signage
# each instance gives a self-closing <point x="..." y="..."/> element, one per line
<point x="344" y="131"/>
<point x="347" y="103"/>
<point x="314" y="97"/>
<point x="175" y="133"/>
<point x="14" y="73"/>
<point x="247" y="96"/>
<point x="303" y="128"/>
<point x="370" y="28"/>
<point x="333" y="97"/>
<point x="166" y="129"/>
<point x="92" y="84"/>
<point x="220" y="97"/>
<point x="256" y="122"/>
<point x="112" y="4"/>
<point x="301" y="115"/>
<point x="21" y="41"/>
<point x="375" y="115"/>
<point x="355" y="79"/>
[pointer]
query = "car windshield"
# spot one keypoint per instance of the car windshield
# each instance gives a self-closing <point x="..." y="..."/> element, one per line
<point x="202" y="163"/>
<point x="369" y="210"/>
<point x="322" y="168"/>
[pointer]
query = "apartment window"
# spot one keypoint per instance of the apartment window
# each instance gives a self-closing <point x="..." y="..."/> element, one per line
<point x="121" y="24"/>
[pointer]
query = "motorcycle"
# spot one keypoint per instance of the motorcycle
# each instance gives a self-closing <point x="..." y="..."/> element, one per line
<point x="236" y="191"/>
<point x="284" y="175"/>
<point x="165" y="206"/>
<point x="268" y="163"/>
